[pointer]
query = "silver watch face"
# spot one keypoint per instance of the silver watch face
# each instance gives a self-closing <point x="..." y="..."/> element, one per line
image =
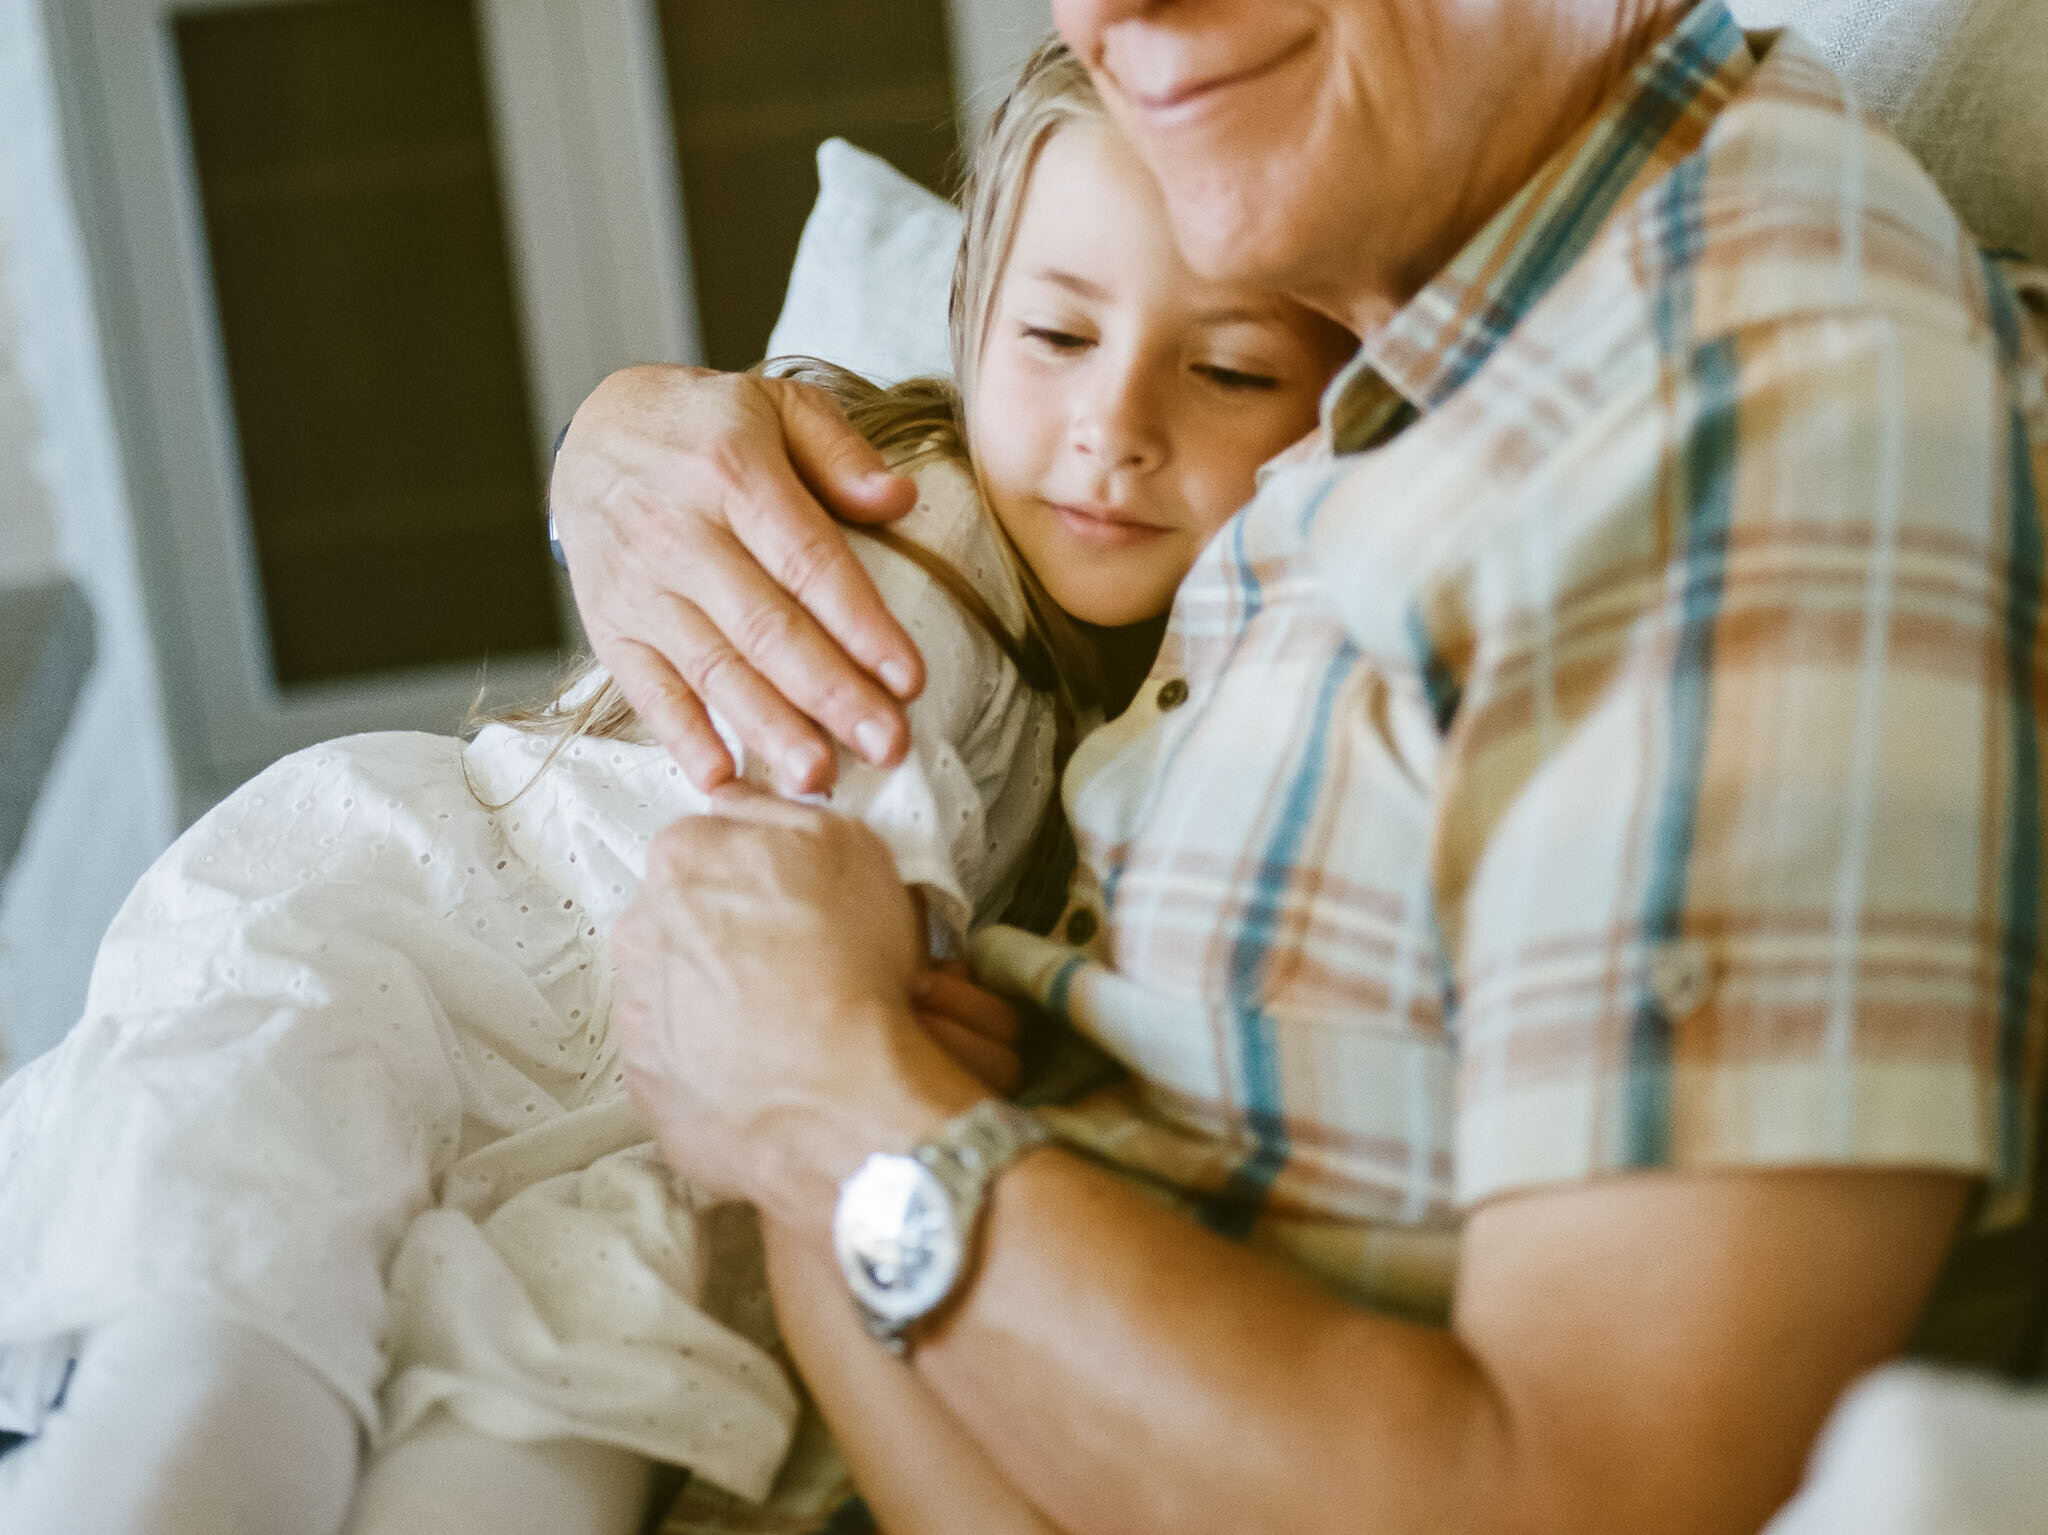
<point x="898" y="1237"/>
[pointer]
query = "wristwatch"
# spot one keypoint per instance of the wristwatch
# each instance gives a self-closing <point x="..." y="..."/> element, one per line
<point x="905" y="1223"/>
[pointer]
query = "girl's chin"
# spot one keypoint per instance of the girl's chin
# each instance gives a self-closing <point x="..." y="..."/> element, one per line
<point x="1107" y="611"/>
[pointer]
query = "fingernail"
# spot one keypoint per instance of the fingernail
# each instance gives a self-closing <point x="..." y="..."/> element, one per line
<point x="801" y="763"/>
<point x="897" y="677"/>
<point x="874" y="738"/>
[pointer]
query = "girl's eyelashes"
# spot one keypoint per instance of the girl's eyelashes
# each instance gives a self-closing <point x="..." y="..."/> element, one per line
<point x="1069" y="343"/>
<point x="1237" y="378"/>
<point x="1057" y="340"/>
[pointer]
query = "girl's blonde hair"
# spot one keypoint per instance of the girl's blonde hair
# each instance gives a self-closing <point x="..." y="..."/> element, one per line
<point x="1052" y="91"/>
<point x="923" y="418"/>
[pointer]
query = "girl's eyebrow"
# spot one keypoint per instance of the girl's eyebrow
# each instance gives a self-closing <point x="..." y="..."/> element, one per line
<point x="1072" y="282"/>
<point x="1235" y="314"/>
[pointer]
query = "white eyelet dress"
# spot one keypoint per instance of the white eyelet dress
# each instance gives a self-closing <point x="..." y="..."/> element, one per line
<point x="345" y="1075"/>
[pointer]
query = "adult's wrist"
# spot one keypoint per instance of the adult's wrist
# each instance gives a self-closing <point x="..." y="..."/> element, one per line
<point x="906" y="1232"/>
<point x="915" y="1089"/>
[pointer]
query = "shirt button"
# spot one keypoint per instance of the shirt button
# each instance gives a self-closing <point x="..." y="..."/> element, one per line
<point x="1681" y="976"/>
<point x="1172" y="694"/>
<point x="1082" y="926"/>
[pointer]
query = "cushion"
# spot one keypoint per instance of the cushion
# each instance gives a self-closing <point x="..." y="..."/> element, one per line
<point x="1964" y="84"/>
<point x="1914" y="1451"/>
<point x="873" y="272"/>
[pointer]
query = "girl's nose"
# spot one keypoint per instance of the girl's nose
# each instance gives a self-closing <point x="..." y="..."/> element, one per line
<point x="1116" y="421"/>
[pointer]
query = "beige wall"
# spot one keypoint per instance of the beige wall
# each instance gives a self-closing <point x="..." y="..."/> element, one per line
<point x="28" y="531"/>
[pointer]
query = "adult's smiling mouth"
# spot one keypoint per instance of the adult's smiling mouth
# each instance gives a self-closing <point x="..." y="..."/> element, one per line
<point x="1182" y="97"/>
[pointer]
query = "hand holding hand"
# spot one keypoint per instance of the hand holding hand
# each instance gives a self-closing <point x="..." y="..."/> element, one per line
<point x="707" y="572"/>
<point x="977" y="1028"/>
<point x="763" y="1004"/>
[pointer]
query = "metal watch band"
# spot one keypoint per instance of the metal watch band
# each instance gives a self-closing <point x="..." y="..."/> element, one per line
<point x="971" y="1149"/>
<point x="965" y="1156"/>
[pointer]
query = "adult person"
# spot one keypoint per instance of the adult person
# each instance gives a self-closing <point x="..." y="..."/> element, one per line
<point x="1628" y="721"/>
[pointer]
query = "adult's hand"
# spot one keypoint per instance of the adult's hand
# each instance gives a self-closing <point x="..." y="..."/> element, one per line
<point x="764" y="1005"/>
<point x="708" y="572"/>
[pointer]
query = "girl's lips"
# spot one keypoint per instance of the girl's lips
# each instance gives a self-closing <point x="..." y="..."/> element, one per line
<point x="1103" y="528"/>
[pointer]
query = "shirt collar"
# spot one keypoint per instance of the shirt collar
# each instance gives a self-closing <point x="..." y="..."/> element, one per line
<point x="1446" y="333"/>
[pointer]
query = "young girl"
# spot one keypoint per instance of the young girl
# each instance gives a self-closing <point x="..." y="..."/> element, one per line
<point x="342" y="1143"/>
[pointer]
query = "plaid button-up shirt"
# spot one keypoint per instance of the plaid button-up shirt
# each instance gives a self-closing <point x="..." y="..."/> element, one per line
<point x="1619" y="746"/>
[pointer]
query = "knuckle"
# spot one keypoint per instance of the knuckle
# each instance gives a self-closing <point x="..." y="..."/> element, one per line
<point x="729" y="452"/>
<point x="727" y="464"/>
<point x="843" y="698"/>
<point x="684" y="725"/>
<point x="798" y="394"/>
<point x="766" y="629"/>
<point x="810" y="562"/>
<point x="667" y="702"/>
<point x="710" y="667"/>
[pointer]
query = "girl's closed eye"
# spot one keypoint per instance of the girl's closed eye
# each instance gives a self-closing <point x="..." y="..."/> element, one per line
<point x="1120" y="404"/>
<point x="1057" y="340"/>
<point x="1237" y="379"/>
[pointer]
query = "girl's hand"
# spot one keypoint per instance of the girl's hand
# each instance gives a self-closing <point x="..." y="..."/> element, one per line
<point x="976" y="1027"/>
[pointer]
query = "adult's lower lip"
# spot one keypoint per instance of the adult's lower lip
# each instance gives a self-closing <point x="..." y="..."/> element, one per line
<point x="1104" y="532"/>
<point x="1195" y="97"/>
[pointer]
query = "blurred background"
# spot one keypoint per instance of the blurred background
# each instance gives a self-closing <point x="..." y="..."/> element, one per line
<point x="294" y="297"/>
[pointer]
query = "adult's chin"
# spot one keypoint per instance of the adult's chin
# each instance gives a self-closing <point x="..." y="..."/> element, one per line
<point x="1264" y="222"/>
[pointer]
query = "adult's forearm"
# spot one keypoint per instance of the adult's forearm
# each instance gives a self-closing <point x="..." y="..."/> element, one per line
<point x="1133" y="1373"/>
<point x="1652" y="1352"/>
<point x="921" y="1472"/>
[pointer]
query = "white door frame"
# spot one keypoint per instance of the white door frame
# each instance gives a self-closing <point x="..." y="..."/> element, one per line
<point x="599" y="267"/>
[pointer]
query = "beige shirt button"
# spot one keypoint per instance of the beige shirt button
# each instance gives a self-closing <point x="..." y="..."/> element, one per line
<point x="1172" y="694"/>
<point x="1681" y="975"/>
<point x="1082" y="926"/>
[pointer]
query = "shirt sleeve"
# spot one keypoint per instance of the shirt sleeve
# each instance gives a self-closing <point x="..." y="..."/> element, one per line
<point x="1739" y="814"/>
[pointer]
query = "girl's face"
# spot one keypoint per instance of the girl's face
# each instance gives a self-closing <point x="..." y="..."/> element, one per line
<point x="1123" y="403"/>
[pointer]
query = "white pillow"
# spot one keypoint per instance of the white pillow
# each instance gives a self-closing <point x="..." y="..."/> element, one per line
<point x="873" y="272"/>
<point x="1964" y="84"/>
